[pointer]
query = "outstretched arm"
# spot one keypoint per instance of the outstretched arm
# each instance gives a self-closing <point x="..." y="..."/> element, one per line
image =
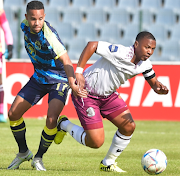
<point x="85" y="56"/>
<point x="157" y="86"/>
<point x="68" y="67"/>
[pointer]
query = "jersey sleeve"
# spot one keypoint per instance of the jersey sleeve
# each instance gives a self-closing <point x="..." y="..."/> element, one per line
<point x="149" y="72"/>
<point x="2" y="16"/>
<point x="106" y="49"/>
<point x="54" y="42"/>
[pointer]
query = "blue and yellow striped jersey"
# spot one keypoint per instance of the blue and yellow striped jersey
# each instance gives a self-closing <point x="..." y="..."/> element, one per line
<point x="44" y="49"/>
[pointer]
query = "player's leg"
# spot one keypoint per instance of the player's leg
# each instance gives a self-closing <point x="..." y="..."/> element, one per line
<point x="123" y="120"/>
<point x="57" y="98"/>
<point x="18" y="129"/>
<point x="91" y="133"/>
<point x="27" y="97"/>
<point x="2" y="118"/>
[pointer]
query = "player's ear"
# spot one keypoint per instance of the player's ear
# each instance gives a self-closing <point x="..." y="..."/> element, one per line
<point x="136" y="44"/>
<point x="26" y="16"/>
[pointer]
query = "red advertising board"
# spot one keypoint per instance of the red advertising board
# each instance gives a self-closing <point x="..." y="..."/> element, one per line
<point x="142" y="101"/>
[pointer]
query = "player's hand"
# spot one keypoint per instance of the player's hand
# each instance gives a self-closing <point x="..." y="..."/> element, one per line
<point x="83" y="93"/>
<point x="160" y="88"/>
<point x="80" y="81"/>
<point x="76" y="90"/>
<point x="8" y="53"/>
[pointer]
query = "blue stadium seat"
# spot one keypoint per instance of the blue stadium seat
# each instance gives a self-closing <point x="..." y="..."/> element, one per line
<point x="10" y="13"/>
<point x="72" y="15"/>
<point x="171" y="49"/>
<point x="65" y="32"/>
<point x="174" y="5"/>
<point x="105" y="4"/>
<point x="14" y="3"/>
<point x="52" y="15"/>
<point x="60" y="4"/>
<point x="87" y="31"/>
<point x="166" y="17"/>
<point x="120" y="17"/>
<point x="110" y="33"/>
<point x="97" y="16"/>
<point x="125" y="42"/>
<point x="131" y="31"/>
<point x="151" y="4"/>
<point x="43" y="1"/>
<point x="175" y="32"/>
<point x="128" y="4"/>
<point x="82" y="3"/>
<point x="147" y="17"/>
<point x="159" y="31"/>
<point x="76" y="47"/>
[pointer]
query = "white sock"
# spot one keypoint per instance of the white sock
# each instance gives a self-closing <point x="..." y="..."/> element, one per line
<point x="119" y="143"/>
<point x="75" y="131"/>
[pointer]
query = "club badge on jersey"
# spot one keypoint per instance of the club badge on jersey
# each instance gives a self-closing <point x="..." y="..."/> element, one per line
<point x="113" y="48"/>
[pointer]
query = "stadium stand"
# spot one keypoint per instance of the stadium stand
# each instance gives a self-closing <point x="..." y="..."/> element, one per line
<point x="116" y="21"/>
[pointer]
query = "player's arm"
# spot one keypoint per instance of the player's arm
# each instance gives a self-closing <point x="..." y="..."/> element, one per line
<point x="68" y="67"/>
<point x="85" y="56"/>
<point x="157" y="86"/>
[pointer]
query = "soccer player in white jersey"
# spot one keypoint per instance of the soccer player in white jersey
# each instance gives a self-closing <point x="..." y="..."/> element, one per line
<point x="116" y="65"/>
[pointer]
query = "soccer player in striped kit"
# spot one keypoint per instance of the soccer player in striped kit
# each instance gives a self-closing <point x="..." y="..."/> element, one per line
<point x="53" y="75"/>
<point x="116" y="65"/>
<point x="4" y="24"/>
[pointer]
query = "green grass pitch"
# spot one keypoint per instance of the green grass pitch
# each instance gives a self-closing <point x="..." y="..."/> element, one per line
<point x="72" y="159"/>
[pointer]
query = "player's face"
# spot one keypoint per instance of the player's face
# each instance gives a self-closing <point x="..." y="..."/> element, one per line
<point x="35" y="19"/>
<point x="144" y="48"/>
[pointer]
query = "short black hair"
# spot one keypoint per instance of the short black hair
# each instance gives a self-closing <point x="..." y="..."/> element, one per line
<point x="35" y="5"/>
<point x="144" y="34"/>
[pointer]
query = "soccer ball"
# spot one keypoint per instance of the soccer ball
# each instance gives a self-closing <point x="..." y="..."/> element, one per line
<point x="154" y="161"/>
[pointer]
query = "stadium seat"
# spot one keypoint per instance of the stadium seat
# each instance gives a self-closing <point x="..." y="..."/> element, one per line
<point x="14" y="3"/>
<point x="72" y="15"/>
<point x="82" y="3"/>
<point x="159" y="31"/>
<point x="128" y="4"/>
<point x="87" y="31"/>
<point x="59" y="4"/>
<point x="110" y="33"/>
<point x="10" y="13"/>
<point x="125" y="42"/>
<point x="147" y="17"/>
<point x="131" y="31"/>
<point x="120" y="17"/>
<point x="105" y="4"/>
<point x="171" y="49"/>
<point x="52" y="15"/>
<point x="166" y="17"/>
<point x="151" y="4"/>
<point x="97" y="16"/>
<point x="175" y="32"/>
<point x="43" y="1"/>
<point x="76" y="47"/>
<point x="175" y="5"/>
<point x="65" y="32"/>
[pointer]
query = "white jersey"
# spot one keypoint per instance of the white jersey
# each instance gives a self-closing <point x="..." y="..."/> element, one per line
<point x="113" y="69"/>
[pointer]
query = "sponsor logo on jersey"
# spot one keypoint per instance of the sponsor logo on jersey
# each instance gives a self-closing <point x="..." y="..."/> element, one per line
<point x="37" y="45"/>
<point x="113" y="48"/>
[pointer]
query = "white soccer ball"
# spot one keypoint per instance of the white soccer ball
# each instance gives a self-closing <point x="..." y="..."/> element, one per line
<point x="154" y="161"/>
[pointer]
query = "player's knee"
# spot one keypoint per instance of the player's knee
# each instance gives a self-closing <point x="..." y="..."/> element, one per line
<point x="96" y="143"/>
<point x="128" y="129"/>
<point x="12" y="114"/>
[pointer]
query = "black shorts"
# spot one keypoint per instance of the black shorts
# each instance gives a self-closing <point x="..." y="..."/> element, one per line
<point x="34" y="91"/>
